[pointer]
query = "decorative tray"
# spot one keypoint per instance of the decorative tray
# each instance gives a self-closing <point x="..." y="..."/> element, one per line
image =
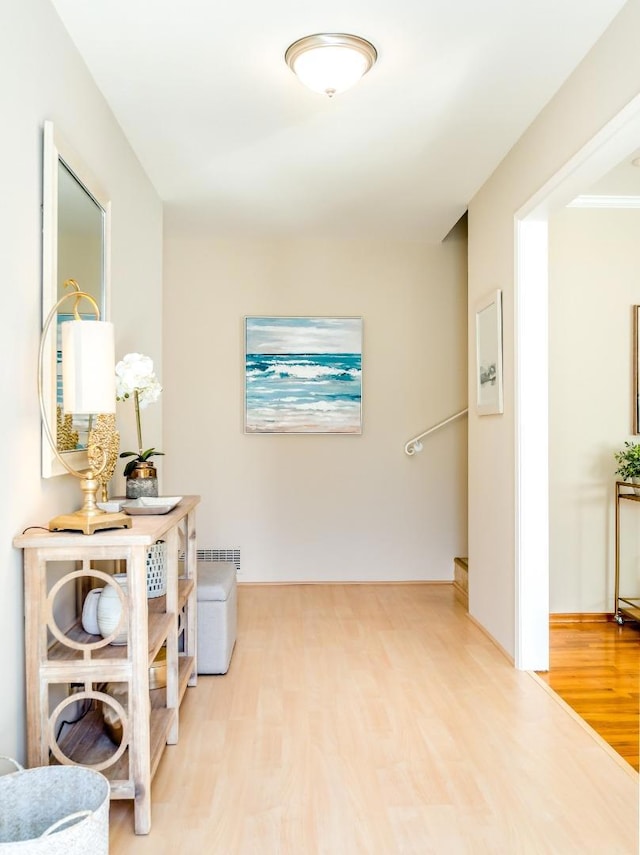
<point x="151" y="505"/>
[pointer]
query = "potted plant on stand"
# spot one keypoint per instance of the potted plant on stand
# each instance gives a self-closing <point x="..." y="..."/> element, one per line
<point x="628" y="460"/>
<point x="135" y="378"/>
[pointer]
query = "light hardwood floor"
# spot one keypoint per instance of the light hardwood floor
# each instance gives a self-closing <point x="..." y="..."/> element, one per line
<point x="374" y="720"/>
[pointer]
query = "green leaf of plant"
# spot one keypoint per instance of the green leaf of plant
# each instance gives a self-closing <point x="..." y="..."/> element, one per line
<point x="128" y="469"/>
<point x="150" y="452"/>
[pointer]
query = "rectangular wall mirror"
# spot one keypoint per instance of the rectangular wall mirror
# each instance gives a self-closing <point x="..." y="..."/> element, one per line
<point x="75" y="235"/>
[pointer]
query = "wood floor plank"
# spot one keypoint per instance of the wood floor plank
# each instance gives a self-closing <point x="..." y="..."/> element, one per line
<point x="374" y="720"/>
<point x="595" y="668"/>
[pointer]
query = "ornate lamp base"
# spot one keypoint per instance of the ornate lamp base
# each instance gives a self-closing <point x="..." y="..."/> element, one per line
<point x="89" y="523"/>
<point x="90" y="518"/>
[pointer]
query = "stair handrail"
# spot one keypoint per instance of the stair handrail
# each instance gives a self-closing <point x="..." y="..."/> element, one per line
<point x="414" y="446"/>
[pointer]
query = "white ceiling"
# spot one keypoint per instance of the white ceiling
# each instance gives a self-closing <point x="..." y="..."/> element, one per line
<point x="623" y="180"/>
<point x="234" y="144"/>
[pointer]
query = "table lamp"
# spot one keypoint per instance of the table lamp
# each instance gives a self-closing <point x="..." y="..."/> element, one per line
<point x="88" y="388"/>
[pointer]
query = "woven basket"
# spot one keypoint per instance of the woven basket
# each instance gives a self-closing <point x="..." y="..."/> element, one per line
<point x="54" y="810"/>
<point x="157" y="570"/>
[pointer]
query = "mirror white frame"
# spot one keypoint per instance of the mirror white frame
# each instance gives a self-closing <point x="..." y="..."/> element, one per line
<point x="57" y="152"/>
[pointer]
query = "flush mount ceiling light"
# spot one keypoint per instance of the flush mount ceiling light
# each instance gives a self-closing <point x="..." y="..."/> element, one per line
<point x="330" y="62"/>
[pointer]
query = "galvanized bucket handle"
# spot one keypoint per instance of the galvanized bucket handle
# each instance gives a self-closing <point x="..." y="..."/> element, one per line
<point x="11" y="760"/>
<point x="81" y="814"/>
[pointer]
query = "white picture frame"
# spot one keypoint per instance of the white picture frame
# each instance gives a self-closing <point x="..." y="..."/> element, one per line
<point x="489" y="388"/>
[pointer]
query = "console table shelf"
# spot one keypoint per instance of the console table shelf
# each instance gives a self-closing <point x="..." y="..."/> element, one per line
<point x="69" y="670"/>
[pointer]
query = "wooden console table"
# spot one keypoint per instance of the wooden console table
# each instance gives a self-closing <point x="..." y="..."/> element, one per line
<point x="624" y="606"/>
<point x="67" y="669"/>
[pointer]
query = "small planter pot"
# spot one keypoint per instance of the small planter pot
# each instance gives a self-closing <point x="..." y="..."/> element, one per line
<point x="142" y="481"/>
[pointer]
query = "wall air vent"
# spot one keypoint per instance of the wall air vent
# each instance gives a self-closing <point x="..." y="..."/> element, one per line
<point x="231" y="555"/>
<point x="227" y="555"/>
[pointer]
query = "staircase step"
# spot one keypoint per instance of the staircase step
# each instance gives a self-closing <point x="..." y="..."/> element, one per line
<point x="461" y="580"/>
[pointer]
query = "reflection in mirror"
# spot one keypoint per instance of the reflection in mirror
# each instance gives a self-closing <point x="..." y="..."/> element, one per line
<point x="75" y="246"/>
<point x="80" y="240"/>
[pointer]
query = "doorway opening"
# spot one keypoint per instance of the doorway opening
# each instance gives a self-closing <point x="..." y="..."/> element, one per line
<point x="613" y="143"/>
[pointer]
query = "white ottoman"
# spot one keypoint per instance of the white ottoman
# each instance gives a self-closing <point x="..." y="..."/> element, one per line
<point x="217" y="615"/>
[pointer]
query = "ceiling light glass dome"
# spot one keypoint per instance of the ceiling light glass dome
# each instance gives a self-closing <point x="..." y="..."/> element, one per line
<point x="329" y="63"/>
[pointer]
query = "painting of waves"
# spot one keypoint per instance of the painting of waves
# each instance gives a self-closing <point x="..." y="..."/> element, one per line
<point x="303" y="375"/>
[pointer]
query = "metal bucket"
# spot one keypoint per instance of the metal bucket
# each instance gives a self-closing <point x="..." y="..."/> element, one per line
<point x="54" y="810"/>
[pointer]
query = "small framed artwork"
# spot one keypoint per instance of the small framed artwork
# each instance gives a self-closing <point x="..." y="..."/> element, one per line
<point x="303" y="375"/>
<point x="489" y="354"/>
<point x="636" y="369"/>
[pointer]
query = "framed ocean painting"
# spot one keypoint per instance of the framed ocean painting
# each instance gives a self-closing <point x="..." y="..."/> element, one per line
<point x="303" y="375"/>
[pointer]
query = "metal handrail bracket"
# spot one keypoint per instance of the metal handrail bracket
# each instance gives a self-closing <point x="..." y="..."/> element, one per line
<point x="414" y="446"/>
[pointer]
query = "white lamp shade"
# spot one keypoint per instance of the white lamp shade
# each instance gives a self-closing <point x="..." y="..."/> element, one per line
<point x="88" y="360"/>
<point x="331" y="62"/>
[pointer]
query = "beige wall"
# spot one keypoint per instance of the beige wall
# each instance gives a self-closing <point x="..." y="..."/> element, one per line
<point x="49" y="81"/>
<point x="594" y="258"/>
<point x="606" y="81"/>
<point x="313" y="507"/>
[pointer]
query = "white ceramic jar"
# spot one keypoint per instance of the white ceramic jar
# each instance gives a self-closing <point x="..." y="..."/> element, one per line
<point x="110" y="609"/>
<point x="90" y="612"/>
